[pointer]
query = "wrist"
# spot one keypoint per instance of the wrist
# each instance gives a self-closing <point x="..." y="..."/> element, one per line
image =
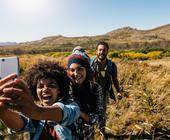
<point x="119" y="95"/>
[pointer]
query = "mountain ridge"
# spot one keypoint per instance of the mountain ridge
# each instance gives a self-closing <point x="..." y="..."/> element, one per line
<point x="120" y="39"/>
<point x="7" y="43"/>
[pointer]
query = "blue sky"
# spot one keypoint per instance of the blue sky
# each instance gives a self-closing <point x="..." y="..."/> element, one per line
<point x="28" y="20"/>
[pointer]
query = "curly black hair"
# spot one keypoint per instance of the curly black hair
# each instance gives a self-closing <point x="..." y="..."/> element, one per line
<point x="47" y="69"/>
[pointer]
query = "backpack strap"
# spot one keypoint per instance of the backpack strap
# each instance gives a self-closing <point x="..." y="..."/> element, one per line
<point x="110" y="67"/>
<point x="93" y="67"/>
<point x="92" y="59"/>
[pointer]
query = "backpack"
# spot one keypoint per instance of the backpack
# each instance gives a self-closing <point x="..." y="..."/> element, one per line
<point x="84" y="54"/>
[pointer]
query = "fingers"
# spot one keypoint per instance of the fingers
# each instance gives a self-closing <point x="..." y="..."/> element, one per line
<point x="4" y="99"/>
<point x="22" y="85"/>
<point x="7" y="84"/>
<point x="12" y="99"/>
<point x="13" y="92"/>
<point x="8" y="78"/>
<point x="17" y="83"/>
<point x="12" y="95"/>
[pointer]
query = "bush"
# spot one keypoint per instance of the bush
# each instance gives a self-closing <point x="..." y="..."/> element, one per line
<point x="154" y="54"/>
<point x="131" y="55"/>
<point x="114" y="54"/>
<point x="58" y="54"/>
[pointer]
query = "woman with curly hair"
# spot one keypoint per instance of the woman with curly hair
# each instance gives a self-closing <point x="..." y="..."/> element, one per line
<point x="86" y="93"/>
<point x="53" y="117"/>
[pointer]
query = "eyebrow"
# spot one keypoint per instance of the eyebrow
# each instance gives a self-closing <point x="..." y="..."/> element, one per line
<point x="53" y="83"/>
<point x="50" y="82"/>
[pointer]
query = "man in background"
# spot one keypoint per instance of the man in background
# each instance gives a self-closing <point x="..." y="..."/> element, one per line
<point x="105" y="74"/>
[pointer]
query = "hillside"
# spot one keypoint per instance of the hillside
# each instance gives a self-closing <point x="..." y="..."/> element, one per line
<point x="120" y="39"/>
<point x="127" y="33"/>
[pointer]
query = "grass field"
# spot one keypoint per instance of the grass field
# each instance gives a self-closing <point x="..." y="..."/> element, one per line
<point x="145" y="107"/>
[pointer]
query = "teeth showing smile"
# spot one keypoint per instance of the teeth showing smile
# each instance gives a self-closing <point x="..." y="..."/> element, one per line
<point x="77" y="79"/>
<point x="47" y="97"/>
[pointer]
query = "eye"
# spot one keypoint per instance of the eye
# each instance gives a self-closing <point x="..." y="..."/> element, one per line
<point x="52" y="86"/>
<point x="80" y="69"/>
<point x="71" y="69"/>
<point x="40" y="86"/>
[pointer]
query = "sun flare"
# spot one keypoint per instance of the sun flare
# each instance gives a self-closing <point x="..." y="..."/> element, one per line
<point x="27" y="7"/>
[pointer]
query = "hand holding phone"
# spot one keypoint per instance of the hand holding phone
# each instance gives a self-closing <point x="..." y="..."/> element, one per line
<point x="5" y="82"/>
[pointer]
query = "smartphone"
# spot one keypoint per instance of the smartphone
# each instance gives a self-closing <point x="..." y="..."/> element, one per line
<point x="9" y="65"/>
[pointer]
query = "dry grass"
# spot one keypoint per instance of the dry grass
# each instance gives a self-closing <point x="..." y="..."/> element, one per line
<point x="145" y="108"/>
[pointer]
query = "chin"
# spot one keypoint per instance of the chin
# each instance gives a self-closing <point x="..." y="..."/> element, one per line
<point x="102" y="58"/>
<point x="80" y="82"/>
<point x="47" y="104"/>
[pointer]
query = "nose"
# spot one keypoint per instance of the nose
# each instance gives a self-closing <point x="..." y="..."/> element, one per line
<point x="102" y="51"/>
<point x="75" y="72"/>
<point x="44" y="88"/>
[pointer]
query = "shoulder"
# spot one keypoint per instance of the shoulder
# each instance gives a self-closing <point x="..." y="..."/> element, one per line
<point x="68" y="103"/>
<point x="111" y="63"/>
<point x="70" y="110"/>
<point x="92" y="59"/>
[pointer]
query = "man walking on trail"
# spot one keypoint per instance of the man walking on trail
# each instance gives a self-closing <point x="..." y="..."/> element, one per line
<point x="105" y="73"/>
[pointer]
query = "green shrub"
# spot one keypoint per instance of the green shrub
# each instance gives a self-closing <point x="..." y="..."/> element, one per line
<point x="114" y="54"/>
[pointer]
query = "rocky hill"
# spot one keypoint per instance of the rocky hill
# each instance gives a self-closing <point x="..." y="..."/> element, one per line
<point x="130" y="34"/>
<point x="120" y="39"/>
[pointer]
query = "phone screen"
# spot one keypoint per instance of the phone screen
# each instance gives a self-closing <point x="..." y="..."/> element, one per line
<point x="9" y="65"/>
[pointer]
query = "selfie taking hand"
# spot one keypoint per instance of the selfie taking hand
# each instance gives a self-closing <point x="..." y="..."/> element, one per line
<point x="5" y="83"/>
<point x="11" y="90"/>
<point x="20" y="97"/>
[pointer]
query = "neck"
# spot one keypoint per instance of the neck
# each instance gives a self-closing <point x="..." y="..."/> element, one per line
<point x="102" y="62"/>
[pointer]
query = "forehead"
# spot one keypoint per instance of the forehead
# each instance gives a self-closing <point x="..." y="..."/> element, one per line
<point x="103" y="47"/>
<point x="46" y="81"/>
<point x="75" y="65"/>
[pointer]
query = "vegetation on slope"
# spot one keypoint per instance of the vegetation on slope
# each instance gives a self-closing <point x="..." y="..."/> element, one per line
<point x="125" y="38"/>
